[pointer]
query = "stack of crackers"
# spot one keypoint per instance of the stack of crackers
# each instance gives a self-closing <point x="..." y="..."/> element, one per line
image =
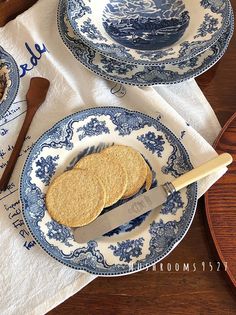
<point x="98" y="180"/>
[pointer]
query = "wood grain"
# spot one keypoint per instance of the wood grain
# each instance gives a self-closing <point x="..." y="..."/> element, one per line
<point x="170" y="292"/>
<point x="220" y="203"/>
<point x="9" y="9"/>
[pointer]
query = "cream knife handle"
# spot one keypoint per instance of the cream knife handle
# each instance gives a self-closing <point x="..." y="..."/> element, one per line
<point x="202" y="171"/>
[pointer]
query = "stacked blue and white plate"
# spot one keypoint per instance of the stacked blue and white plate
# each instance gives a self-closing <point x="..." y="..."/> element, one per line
<point x="146" y="42"/>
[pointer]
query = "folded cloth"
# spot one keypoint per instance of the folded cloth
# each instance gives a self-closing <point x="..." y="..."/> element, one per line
<point x="188" y="100"/>
<point x="31" y="282"/>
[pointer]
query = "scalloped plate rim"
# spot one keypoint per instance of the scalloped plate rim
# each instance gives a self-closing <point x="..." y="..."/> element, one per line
<point x="85" y="269"/>
<point x="150" y="63"/>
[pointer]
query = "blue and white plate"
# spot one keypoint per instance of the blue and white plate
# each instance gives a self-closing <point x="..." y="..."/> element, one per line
<point x="9" y="80"/>
<point x="136" y="245"/>
<point x="137" y="74"/>
<point x="149" y="32"/>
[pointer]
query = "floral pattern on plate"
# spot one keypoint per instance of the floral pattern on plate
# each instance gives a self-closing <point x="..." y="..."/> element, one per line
<point x="134" y="246"/>
<point x="149" y="32"/>
<point x="137" y="74"/>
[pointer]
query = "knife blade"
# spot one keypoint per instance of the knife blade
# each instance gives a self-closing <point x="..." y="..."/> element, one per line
<point x="147" y="201"/>
<point x="122" y="214"/>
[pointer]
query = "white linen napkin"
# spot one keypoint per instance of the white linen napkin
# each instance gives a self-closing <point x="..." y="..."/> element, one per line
<point x="31" y="282"/>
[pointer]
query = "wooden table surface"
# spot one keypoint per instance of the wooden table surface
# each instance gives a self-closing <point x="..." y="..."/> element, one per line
<point x="201" y="285"/>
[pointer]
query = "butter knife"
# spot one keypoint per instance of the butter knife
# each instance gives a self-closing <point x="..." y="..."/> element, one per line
<point x="147" y="201"/>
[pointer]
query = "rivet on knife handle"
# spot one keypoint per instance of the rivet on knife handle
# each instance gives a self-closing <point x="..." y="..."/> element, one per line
<point x="202" y="171"/>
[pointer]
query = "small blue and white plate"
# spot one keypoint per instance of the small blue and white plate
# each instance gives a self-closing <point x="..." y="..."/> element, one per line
<point x="149" y="32"/>
<point x="9" y="80"/>
<point x="140" y="75"/>
<point x="131" y="247"/>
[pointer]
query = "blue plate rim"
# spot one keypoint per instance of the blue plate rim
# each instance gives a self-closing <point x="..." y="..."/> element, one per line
<point x="167" y="61"/>
<point x="6" y="104"/>
<point x="120" y="273"/>
<point x="124" y="81"/>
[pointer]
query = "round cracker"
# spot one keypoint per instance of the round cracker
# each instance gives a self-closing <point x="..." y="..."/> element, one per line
<point x="75" y="198"/>
<point x="112" y="175"/>
<point x="134" y="164"/>
<point x="148" y="182"/>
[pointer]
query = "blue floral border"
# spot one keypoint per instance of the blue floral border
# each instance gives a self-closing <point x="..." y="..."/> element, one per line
<point x="151" y="75"/>
<point x="99" y="266"/>
<point x="121" y="53"/>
